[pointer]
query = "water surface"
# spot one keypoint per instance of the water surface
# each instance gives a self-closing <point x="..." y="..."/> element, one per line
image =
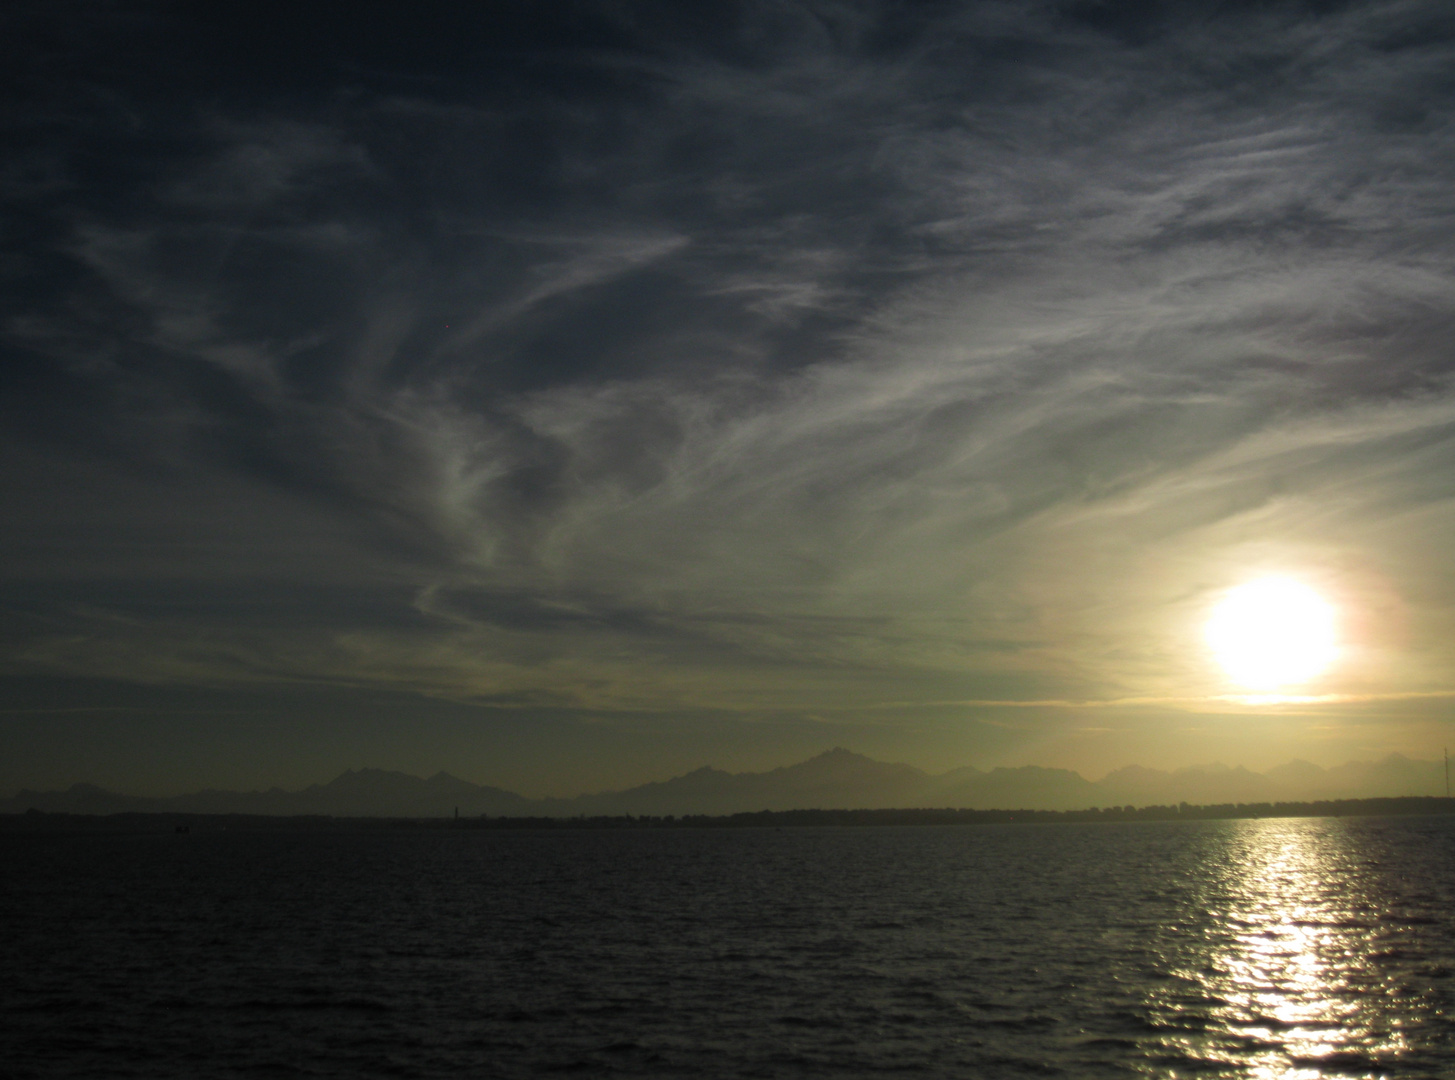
<point x="1295" y="948"/>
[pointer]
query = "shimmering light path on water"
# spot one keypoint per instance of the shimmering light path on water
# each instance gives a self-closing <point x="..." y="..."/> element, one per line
<point x="1308" y="963"/>
<point x="1285" y="948"/>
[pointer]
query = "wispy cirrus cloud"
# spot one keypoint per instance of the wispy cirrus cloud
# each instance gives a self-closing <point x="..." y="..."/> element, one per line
<point x="875" y="357"/>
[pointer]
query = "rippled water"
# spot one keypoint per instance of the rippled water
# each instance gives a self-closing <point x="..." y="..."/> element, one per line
<point x="1280" y="948"/>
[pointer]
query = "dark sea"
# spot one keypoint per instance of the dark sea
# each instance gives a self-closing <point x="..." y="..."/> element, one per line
<point x="1292" y="948"/>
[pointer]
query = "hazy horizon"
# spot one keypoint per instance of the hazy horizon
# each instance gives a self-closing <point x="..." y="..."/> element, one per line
<point x="1210" y="769"/>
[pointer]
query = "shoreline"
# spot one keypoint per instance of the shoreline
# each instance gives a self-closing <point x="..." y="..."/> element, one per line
<point x="143" y="821"/>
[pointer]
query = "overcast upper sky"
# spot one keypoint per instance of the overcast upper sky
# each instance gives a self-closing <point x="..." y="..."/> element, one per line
<point x="566" y="395"/>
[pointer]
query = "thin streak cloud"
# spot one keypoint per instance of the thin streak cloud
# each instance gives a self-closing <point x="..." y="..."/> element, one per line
<point x="769" y="361"/>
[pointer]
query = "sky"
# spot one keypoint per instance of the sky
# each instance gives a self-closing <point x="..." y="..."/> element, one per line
<point x="569" y="395"/>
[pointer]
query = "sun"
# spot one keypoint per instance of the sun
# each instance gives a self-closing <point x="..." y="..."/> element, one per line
<point x="1272" y="632"/>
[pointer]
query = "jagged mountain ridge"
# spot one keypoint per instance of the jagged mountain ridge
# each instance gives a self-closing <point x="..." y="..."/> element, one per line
<point x="836" y="779"/>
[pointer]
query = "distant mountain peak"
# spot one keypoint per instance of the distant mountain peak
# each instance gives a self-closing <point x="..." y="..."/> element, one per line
<point x="841" y="756"/>
<point x="837" y="778"/>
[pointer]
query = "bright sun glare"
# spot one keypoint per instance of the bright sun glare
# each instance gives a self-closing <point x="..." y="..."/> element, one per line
<point x="1272" y="632"/>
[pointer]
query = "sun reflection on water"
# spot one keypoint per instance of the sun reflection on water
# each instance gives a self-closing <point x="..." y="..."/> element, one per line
<point x="1287" y="980"/>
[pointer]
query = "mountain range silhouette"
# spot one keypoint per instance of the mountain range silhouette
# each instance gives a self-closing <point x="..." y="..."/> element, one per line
<point x="837" y="779"/>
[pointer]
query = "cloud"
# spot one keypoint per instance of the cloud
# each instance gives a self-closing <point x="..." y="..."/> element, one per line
<point x="861" y="358"/>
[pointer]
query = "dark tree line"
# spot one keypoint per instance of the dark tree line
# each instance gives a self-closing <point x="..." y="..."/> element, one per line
<point x="186" y="823"/>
